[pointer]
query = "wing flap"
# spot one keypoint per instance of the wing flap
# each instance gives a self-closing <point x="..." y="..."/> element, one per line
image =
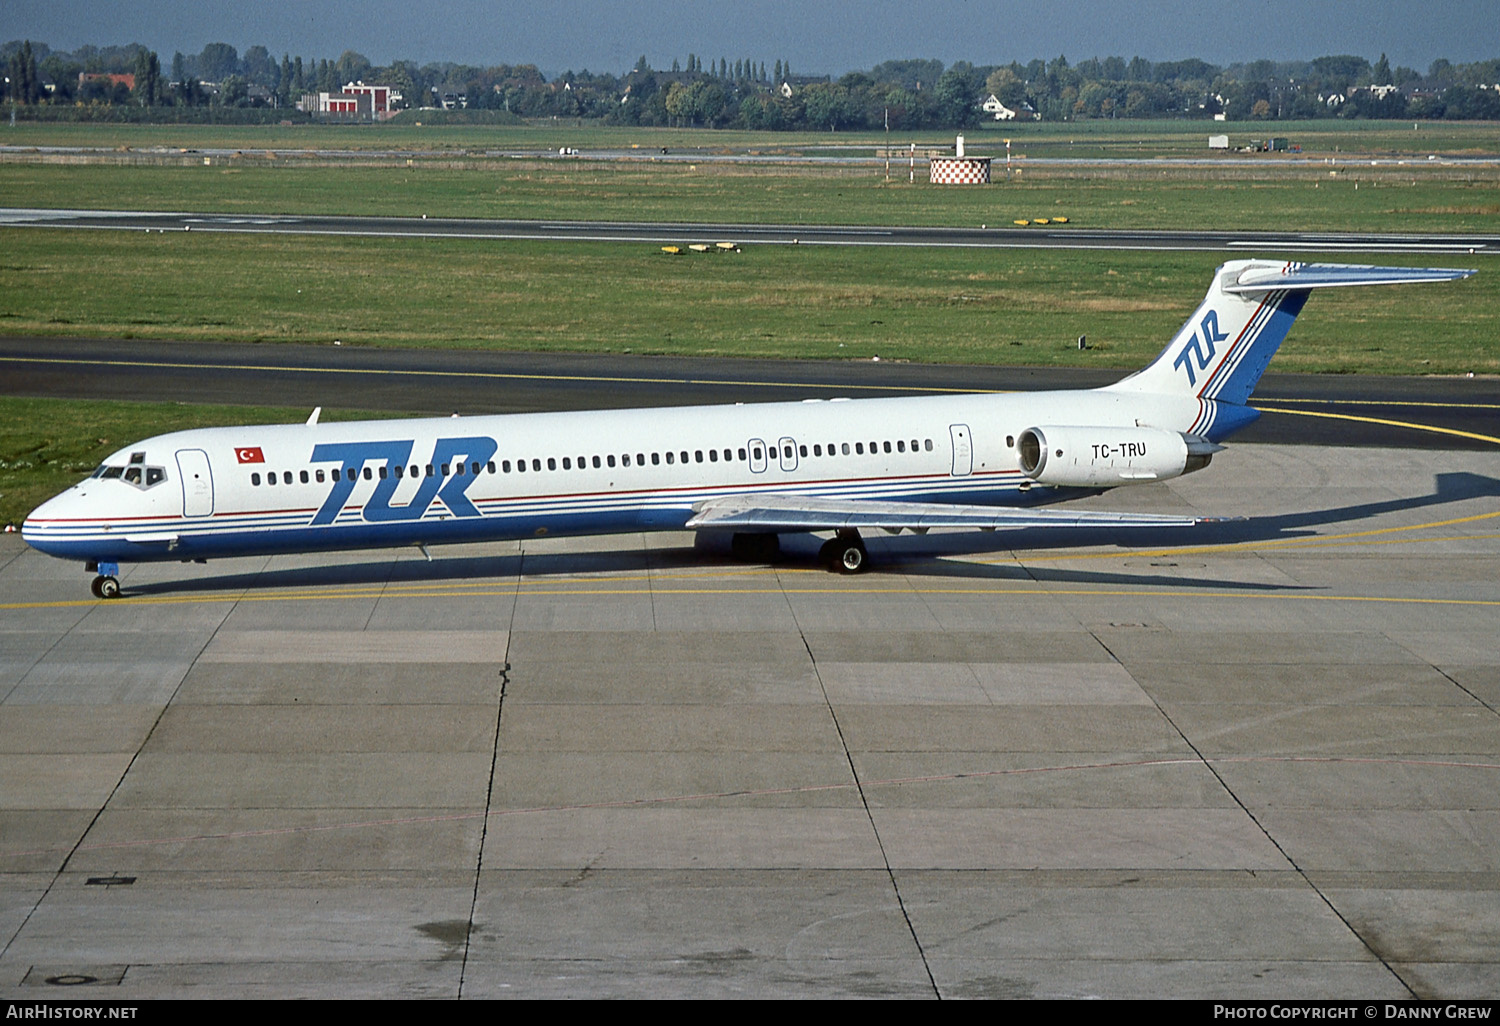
<point x="810" y="513"/>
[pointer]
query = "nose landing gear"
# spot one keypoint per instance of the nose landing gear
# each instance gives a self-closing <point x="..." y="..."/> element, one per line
<point x="106" y="585"/>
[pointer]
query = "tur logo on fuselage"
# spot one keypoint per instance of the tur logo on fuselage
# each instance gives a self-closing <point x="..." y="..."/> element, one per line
<point x="1201" y="352"/>
<point x="352" y="458"/>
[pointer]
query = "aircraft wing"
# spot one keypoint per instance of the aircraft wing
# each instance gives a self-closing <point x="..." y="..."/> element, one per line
<point x="810" y="513"/>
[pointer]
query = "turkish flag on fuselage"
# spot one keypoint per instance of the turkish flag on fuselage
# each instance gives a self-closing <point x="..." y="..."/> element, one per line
<point x="250" y="454"/>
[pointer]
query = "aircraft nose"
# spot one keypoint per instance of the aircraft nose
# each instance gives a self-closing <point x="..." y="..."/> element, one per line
<point x="43" y="526"/>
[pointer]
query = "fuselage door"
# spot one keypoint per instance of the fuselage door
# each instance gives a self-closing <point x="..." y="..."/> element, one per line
<point x="963" y="450"/>
<point x="788" y="454"/>
<point x="757" y="456"/>
<point x="197" y="483"/>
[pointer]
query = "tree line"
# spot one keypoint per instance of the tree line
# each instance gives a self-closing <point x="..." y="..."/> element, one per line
<point x="745" y="92"/>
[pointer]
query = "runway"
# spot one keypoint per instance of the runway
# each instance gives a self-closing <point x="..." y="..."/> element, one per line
<point x="1253" y="760"/>
<point x="1419" y="413"/>
<point x="990" y="236"/>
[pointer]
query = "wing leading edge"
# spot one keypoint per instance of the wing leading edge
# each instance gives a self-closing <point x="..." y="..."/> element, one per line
<point x="810" y="513"/>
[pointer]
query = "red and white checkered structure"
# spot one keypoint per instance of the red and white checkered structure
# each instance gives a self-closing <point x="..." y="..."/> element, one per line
<point x="960" y="171"/>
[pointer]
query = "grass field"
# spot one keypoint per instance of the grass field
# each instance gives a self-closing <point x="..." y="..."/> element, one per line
<point x="789" y="302"/>
<point x="1292" y="197"/>
<point x="1078" y="138"/>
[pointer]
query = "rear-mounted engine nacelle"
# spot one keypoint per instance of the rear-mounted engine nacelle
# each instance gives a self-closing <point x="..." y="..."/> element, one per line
<point x="1092" y="457"/>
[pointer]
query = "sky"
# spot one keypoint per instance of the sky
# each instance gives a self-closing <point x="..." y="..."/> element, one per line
<point x="814" y="36"/>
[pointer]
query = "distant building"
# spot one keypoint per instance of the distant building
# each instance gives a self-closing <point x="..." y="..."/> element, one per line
<point x="1001" y="112"/>
<point x="798" y="82"/>
<point x="356" y="102"/>
<point x="383" y="98"/>
<point x="1218" y="142"/>
<point x="128" y="81"/>
<point x="338" y="106"/>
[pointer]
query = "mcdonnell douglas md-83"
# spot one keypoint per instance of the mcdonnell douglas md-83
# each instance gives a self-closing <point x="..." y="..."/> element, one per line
<point x="755" y="471"/>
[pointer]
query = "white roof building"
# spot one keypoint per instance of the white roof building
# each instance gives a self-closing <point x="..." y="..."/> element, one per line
<point x="1004" y="113"/>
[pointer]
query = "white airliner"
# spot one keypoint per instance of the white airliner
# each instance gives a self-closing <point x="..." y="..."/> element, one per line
<point x="755" y="471"/>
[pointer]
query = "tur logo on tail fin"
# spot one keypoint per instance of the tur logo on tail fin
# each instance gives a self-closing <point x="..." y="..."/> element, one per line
<point x="1201" y="352"/>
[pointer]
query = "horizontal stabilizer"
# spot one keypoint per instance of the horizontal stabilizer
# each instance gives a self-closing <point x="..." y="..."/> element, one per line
<point x="1259" y="278"/>
<point x="1219" y="355"/>
<point x="809" y="513"/>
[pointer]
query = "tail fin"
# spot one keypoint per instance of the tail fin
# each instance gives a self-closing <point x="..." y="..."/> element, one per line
<point x="1223" y="349"/>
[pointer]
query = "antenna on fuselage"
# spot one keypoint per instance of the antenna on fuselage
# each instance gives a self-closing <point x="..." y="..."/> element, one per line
<point x="314" y="418"/>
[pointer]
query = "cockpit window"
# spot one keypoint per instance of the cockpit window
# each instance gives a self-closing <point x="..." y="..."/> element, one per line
<point x="135" y="473"/>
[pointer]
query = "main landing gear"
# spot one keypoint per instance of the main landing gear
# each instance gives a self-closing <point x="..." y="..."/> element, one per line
<point x="106" y="585"/>
<point x="844" y="553"/>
